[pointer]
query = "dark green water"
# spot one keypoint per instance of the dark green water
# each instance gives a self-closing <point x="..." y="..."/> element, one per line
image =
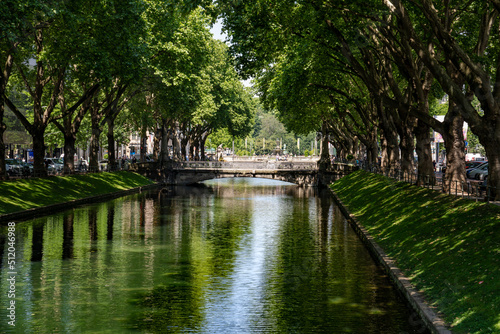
<point x="237" y="256"/>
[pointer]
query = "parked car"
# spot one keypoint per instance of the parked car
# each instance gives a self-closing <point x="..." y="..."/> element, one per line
<point x="482" y="174"/>
<point x="54" y="165"/>
<point x="473" y="164"/>
<point x="478" y="173"/>
<point x="470" y="170"/>
<point x="30" y="167"/>
<point x="16" y="167"/>
<point x="469" y="165"/>
<point x="10" y="166"/>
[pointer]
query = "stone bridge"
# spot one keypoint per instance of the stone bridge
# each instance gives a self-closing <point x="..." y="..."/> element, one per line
<point x="303" y="173"/>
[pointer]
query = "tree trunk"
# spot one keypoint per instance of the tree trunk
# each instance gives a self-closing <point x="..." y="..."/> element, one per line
<point x="164" y="154"/>
<point x="176" y="147"/>
<point x="71" y="125"/>
<point x="407" y="147"/>
<point x="372" y="154"/>
<point x="112" y="165"/>
<point x="69" y="143"/>
<point x="341" y="149"/>
<point x="197" y="148"/>
<point x="388" y="139"/>
<point x="184" y="143"/>
<point x="94" y="142"/>
<point x="192" y="150"/>
<point x="157" y="141"/>
<point x="143" y="146"/>
<point x="372" y="147"/>
<point x="390" y="149"/>
<point x="324" y="162"/>
<point x="69" y="153"/>
<point x="490" y="139"/>
<point x="354" y="146"/>
<point x="425" y="168"/>
<point x="202" y="147"/>
<point x="39" y="153"/>
<point x="4" y="79"/>
<point x="455" y="150"/>
<point x="41" y="112"/>
<point x="493" y="154"/>
<point x="3" y="127"/>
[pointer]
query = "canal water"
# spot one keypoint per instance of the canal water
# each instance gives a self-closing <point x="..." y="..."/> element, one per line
<point x="231" y="256"/>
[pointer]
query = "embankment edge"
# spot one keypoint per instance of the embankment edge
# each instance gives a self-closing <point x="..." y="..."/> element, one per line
<point x="416" y="300"/>
<point x="49" y="209"/>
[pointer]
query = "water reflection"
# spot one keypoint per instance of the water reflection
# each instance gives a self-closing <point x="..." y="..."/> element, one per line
<point x="232" y="256"/>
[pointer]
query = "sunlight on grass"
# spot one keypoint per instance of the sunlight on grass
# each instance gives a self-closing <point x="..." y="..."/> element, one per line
<point x="447" y="246"/>
<point x="25" y="194"/>
<point x="463" y="317"/>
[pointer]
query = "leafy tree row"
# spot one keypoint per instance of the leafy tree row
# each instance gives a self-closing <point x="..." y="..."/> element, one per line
<point x="86" y="64"/>
<point x="368" y="70"/>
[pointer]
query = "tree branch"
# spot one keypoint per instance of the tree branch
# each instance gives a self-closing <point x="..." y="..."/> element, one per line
<point x="27" y="125"/>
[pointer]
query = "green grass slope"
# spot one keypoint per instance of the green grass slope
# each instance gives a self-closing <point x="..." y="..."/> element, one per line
<point x="19" y="195"/>
<point x="449" y="247"/>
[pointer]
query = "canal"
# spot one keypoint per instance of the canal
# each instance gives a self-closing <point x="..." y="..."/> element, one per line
<point x="231" y="256"/>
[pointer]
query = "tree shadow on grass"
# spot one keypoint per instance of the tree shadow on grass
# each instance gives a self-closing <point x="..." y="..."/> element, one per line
<point x="449" y="247"/>
<point x="25" y="194"/>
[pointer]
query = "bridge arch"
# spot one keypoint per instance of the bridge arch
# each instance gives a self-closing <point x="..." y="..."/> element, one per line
<point x="302" y="178"/>
<point x="302" y="173"/>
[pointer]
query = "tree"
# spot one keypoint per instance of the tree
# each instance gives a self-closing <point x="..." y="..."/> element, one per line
<point x="114" y="39"/>
<point x="469" y="61"/>
<point x="193" y="87"/>
<point x="365" y="41"/>
<point x="19" y="20"/>
<point x="79" y="44"/>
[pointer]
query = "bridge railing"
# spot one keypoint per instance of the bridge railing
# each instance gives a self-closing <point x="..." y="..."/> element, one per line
<point x="260" y="165"/>
<point x="262" y="158"/>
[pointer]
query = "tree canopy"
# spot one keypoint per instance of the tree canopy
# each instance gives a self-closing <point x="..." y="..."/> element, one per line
<point x="83" y="63"/>
<point x="369" y="71"/>
<point x="365" y="75"/>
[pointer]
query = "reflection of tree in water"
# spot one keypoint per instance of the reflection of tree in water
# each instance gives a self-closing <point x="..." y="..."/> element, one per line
<point x="249" y="187"/>
<point x="231" y="222"/>
<point x="168" y="309"/>
<point x="208" y="224"/>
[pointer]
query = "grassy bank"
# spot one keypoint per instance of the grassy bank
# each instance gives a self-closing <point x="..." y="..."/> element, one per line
<point x="449" y="247"/>
<point x="19" y="195"/>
